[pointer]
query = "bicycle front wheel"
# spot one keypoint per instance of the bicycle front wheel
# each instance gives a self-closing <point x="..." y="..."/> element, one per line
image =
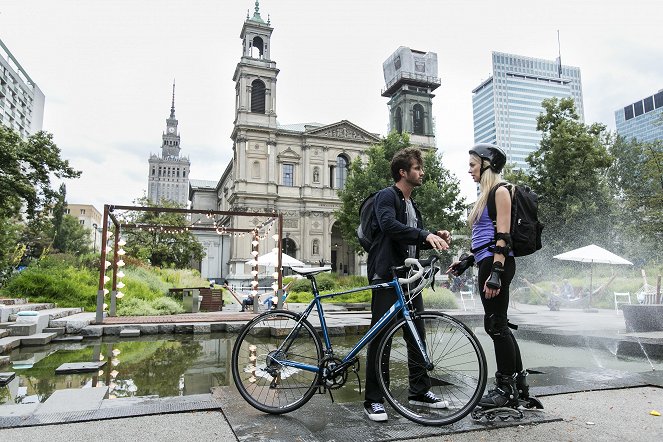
<point x="262" y="381"/>
<point x="457" y="374"/>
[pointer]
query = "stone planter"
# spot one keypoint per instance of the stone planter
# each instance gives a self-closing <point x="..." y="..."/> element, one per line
<point x="643" y="317"/>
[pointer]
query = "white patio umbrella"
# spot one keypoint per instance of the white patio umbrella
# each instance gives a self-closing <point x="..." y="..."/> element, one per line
<point x="591" y="254"/>
<point x="271" y="260"/>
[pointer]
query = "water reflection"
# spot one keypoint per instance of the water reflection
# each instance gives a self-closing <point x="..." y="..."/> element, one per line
<point x="161" y="366"/>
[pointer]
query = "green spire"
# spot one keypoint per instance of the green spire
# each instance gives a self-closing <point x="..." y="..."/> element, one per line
<point x="256" y="13"/>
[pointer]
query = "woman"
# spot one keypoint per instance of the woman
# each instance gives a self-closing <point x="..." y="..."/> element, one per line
<point x="491" y="252"/>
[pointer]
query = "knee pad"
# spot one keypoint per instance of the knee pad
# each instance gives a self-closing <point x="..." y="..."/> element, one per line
<point x="496" y="325"/>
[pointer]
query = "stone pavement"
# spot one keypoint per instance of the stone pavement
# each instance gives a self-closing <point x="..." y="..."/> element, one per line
<point x="581" y="404"/>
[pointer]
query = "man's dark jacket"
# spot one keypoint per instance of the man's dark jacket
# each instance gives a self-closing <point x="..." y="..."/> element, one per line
<point x="391" y="242"/>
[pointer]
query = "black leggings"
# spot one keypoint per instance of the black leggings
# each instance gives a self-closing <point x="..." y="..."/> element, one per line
<point x="507" y="352"/>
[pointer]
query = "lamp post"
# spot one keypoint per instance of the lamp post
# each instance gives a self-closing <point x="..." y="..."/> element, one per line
<point x="94" y="245"/>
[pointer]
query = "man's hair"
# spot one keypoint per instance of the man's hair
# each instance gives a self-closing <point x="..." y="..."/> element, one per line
<point x="405" y="159"/>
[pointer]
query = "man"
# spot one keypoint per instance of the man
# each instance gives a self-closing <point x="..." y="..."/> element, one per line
<point x="400" y="236"/>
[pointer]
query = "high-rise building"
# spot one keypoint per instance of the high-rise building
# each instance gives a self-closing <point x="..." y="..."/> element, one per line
<point x="506" y="105"/>
<point x="21" y="100"/>
<point x="168" y="174"/>
<point x="642" y="120"/>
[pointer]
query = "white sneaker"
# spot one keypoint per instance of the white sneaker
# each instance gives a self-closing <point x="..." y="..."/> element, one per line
<point x="428" y="400"/>
<point x="376" y="412"/>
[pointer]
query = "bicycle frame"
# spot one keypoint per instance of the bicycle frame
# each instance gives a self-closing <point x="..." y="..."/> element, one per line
<point x="397" y="307"/>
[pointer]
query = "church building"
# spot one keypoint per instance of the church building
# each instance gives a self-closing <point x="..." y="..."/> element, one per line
<point x="297" y="169"/>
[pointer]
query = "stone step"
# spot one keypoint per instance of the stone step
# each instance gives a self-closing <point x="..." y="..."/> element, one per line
<point x="23" y="329"/>
<point x="7" y="310"/>
<point x="13" y="301"/>
<point x="59" y="330"/>
<point x="9" y="343"/>
<point x="4" y="360"/>
<point x="38" y="339"/>
<point x="130" y="333"/>
<point x="4" y="332"/>
<point x="53" y="313"/>
<point x="74" y="323"/>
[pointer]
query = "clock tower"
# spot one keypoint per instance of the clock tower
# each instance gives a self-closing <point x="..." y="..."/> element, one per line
<point x="168" y="172"/>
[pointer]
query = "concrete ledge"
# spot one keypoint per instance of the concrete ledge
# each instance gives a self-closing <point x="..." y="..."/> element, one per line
<point x="130" y="333"/>
<point x="92" y="331"/>
<point x="59" y="330"/>
<point x="4" y="332"/>
<point x="643" y="317"/>
<point x="9" y="343"/>
<point x="23" y="329"/>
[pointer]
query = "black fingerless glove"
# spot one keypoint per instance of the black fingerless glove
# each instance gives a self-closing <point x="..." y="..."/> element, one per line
<point x="466" y="261"/>
<point x="494" y="282"/>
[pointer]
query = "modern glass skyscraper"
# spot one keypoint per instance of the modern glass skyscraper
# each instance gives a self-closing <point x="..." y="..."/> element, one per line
<point x="642" y="120"/>
<point x="506" y="105"/>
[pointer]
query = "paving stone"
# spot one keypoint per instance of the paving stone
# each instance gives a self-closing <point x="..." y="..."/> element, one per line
<point x="6" y="378"/>
<point x="129" y="333"/>
<point x="68" y="339"/>
<point x="202" y="328"/>
<point x="79" y="367"/>
<point x="59" y="330"/>
<point x="9" y="343"/>
<point x="92" y="331"/>
<point x="73" y="399"/>
<point x="38" y="339"/>
<point x="184" y="328"/>
<point x="149" y="329"/>
<point x="113" y="330"/>
<point x="166" y="328"/>
<point x="22" y="329"/>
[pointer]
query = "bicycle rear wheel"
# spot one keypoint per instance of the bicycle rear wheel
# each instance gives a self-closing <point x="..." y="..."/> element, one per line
<point x="457" y="375"/>
<point x="263" y="382"/>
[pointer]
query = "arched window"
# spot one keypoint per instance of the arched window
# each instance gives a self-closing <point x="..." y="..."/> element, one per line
<point x="316" y="174"/>
<point x="289" y="247"/>
<point x="257" y="47"/>
<point x="418" y="119"/>
<point x="398" y="120"/>
<point x="258" y="97"/>
<point x="316" y="247"/>
<point x="342" y="164"/>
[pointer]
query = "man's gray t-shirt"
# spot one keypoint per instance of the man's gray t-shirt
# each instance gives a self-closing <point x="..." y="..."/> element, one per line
<point x="411" y="222"/>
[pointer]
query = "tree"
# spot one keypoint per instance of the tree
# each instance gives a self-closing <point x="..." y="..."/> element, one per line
<point x="26" y="167"/>
<point x="72" y="237"/>
<point x="437" y="197"/>
<point x="164" y="246"/>
<point x="568" y="172"/>
<point x="637" y="179"/>
<point x="58" y="216"/>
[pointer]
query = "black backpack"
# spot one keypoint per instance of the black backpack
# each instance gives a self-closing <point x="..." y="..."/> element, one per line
<point x="525" y="226"/>
<point x="368" y="224"/>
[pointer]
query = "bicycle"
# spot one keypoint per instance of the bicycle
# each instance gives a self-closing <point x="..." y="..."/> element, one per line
<point x="279" y="363"/>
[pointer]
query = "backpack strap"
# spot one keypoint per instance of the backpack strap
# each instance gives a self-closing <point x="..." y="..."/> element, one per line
<point x="492" y="208"/>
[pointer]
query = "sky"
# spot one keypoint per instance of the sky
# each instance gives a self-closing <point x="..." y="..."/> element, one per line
<point x="106" y="68"/>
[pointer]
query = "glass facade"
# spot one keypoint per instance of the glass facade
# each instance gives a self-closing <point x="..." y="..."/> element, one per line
<point x="505" y="106"/>
<point x="642" y="120"/>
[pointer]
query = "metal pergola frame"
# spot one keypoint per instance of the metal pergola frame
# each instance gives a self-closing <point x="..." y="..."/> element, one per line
<point x="118" y="226"/>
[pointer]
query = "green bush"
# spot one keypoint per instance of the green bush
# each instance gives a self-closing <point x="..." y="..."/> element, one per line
<point x="167" y="306"/>
<point x="439" y="299"/>
<point x="55" y="279"/>
<point x="135" y="307"/>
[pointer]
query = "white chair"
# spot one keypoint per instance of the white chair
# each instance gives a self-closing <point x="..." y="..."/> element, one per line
<point x="622" y="298"/>
<point x="469" y="296"/>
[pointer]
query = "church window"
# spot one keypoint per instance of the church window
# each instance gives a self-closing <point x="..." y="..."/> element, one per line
<point x="316" y="247"/>
<point x="288" y="175"/>
<point x="316" y="174"/>
<point x="153" y="171"/>
<point x="399" y="120"/>
<point x="418" y="119"/>
<point x="257" y="48"/>
<point x="331" y="176"/>
<point x="255" y="170"/>
<point x="184" y="174"/>
<point x="289" y="247"/>
<point x="258" y="97"/>
<point x="342" y="164"/>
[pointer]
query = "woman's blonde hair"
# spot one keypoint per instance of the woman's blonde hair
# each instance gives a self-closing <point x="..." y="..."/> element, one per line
<point x="488" y="180"/>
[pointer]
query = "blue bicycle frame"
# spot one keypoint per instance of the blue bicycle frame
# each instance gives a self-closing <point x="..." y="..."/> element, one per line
<point x="397" y="307"/>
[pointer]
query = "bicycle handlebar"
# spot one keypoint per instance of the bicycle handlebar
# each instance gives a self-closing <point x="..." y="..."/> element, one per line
<point x="409" y="262"/>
